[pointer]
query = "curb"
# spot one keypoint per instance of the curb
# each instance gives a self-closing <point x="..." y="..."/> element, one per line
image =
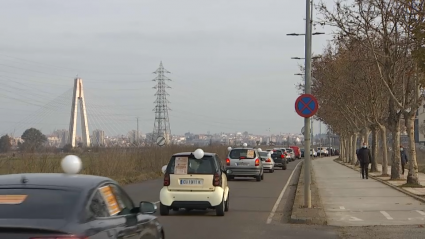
<point x="307" y="220"/>
<point x="389" y="184"/>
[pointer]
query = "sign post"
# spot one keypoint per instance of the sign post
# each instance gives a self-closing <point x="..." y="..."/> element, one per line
<point x="306" y="106"/>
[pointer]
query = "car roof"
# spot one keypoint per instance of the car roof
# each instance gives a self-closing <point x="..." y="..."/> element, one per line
<point x="242" y="148"/>
<point x="61" y="180"/>
<point x="189" y="153"/>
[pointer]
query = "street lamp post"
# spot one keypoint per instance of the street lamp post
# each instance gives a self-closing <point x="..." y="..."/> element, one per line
<point x="307" y="90"/>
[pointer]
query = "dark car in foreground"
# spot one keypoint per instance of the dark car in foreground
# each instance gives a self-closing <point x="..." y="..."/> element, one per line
<point x="61" y="206"/>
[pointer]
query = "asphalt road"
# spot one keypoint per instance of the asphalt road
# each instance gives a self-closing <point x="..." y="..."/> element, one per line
<point x="255" y="211"/>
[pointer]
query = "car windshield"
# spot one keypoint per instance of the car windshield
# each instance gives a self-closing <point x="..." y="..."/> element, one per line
<point x="264" y="154"/>
<point x="247" y="153"/>
<point x="23" y="203"/>
<point x="191" y="165"/>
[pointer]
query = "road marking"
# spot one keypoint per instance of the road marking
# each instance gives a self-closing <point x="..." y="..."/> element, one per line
<point x="421" y="212"/>
<point x="342" y="207"/>
<point x="386" y="215"/>
<point x="276" y="205"/>
<point x="355" y="219"/>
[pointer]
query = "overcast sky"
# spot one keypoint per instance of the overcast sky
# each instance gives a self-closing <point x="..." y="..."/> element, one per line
<point x="229" y="61"/>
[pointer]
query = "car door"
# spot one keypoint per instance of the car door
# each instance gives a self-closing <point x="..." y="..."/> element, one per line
<point x="138" y="225"/>
<point x="101" y="221"/>
<point x="222" y="169"/>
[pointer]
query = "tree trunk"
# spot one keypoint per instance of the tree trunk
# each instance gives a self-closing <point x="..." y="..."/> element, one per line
<point x="355" y="147"/>
<point x="341" y="148"/>
<point x="384" y="150"/>
<point x="350" y="146"/>
<point x="412" y="176"/>
<point x="395" y="155"/>
<point x="366" y="133"/>
<point x="353" y="150"/>
<point x="374" y="166"/>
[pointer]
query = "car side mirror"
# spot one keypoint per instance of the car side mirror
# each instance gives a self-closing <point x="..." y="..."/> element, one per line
<point x="164" y="169"/>
<point x="147" y="207"/>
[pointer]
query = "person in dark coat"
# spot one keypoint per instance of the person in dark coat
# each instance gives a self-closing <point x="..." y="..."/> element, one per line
<point x="365" y="159"/>
<point x="404" y="159"/>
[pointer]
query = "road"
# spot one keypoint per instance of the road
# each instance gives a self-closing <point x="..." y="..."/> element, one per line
<point x="250" y="215"/>
<point x="351" y="201"/>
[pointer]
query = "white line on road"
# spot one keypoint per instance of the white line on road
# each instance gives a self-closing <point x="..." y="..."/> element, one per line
<point x="386" y="215"/>
<point x="355" y="219"/>
<point x="276" y="205"/>
<point x="421" y="212"/>
<point x="342" y="207"/>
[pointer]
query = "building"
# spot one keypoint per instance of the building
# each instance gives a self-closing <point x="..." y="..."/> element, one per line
<point x="134" y="137"/>
<point x="98" y="138"/>
<point x="62" y="135"/>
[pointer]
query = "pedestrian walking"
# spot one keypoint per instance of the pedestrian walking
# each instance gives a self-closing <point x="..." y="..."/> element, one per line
<point x="404" y="159"/>
<point x="365" y="159"/>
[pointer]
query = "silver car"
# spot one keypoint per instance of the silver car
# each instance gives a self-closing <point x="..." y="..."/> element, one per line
<point x="292" y="153"/>
<point x="244" y="162"/>
<point x="268" y="162"/>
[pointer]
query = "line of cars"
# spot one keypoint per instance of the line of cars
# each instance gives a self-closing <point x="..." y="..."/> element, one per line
<point x="71" y="205"/>
<point x="199" y="181"/>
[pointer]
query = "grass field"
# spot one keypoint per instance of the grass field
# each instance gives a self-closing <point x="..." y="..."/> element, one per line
<point x="124" y="165"/>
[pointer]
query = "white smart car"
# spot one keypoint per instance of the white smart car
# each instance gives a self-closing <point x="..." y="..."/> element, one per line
<point x="194" y="180"/>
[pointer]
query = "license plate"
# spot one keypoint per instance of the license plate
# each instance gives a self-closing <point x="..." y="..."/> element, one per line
<point x="241" y="164"/>
<point x="191" y="182"/>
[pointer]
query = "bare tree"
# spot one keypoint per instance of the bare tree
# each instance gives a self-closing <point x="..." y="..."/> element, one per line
<point x="384" y="28"/>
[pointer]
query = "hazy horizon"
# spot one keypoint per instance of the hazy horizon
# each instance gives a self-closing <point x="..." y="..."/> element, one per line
<point x="229" y="61"/>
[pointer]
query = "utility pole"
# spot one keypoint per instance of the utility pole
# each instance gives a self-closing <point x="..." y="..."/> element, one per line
<point x="162" y="122"/>
<point x="320" y="137"/>
<point x="137" y="136"/>
<point x="307" y="121"/>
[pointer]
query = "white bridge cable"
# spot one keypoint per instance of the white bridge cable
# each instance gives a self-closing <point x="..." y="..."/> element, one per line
<point x="109" y="127"/>
<point x="47" y="107"/>
<point x="51" y="106"/>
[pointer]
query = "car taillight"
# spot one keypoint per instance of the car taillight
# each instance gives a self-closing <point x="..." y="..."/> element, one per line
<point x="268" y="160"/>
<point x="282" y="156"/>
<point x="59" y="237"/>
<point x="167" y="180"/>
<point x="228" y="162"/>
<point x="257" y="162"/>
<point x="217" y="180"/>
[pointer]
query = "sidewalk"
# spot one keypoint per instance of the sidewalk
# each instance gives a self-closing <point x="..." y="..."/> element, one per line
<point x="349" y="200"/>
<point x="418" y="192"/>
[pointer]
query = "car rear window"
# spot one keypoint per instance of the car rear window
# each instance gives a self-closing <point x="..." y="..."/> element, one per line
<point x="191" y="165"/>
<point x="247" y="153"/>
<point x="24" y="203"/>
<point x="278" y="152"/>
<point x="263" y="154"/>
<point x="289" y="150"/>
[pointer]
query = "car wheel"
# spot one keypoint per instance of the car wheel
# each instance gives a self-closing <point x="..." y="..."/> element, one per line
<point x="230" y="178"/>
<point x="258" y="178"/>
<point x="163" y="210"/>
<point x="284" y="167"/>
<point x="227" y="205"/>
<point x="262" y="176"/>
<point x="219" y="209"/>
<point x="271" y="170"/>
